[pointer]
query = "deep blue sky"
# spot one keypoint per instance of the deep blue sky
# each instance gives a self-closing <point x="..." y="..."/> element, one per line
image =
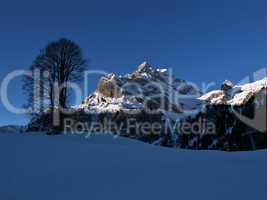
<point x="207" y="40"/>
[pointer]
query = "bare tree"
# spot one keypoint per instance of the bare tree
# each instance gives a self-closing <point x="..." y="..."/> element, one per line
<point x="58" y="64"/>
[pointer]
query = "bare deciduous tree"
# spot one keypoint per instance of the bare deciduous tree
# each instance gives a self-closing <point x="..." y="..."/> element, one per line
<point x="59" y="63"/>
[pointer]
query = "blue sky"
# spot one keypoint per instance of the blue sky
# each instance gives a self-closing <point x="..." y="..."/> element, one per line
<point x="202" y="41"/>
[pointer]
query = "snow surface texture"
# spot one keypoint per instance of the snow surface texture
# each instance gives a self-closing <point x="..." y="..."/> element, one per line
<point x="39" y="167"/>
<point x="234" y="95"/>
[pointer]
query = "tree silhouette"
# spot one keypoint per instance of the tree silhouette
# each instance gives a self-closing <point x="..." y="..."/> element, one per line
<point x="58" y="64"/>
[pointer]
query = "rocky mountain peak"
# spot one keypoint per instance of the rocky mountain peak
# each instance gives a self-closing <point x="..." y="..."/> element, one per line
<point x="227" y="85"/>
<point x="147" y="87"/>
<point x="145" y="67"/>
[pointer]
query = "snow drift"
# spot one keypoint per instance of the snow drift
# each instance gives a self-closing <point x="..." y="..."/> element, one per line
<point x="70" y="167"/>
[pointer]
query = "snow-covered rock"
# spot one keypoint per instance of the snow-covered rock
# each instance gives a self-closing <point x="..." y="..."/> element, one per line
<point x="148" y="95"/>
<point x="147" y="88"/>
<point x="234" y="95"/>
<point x="239" y="115"/>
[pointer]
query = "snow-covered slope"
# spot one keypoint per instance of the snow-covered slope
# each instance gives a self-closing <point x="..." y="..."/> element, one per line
<point x="70" y="167"/>
<point x="235" y="95"/>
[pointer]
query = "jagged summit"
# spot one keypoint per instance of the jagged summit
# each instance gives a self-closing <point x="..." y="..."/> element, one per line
<point x="146" y="87"/>
<point x="144" y="67"/>
<point x="227" y="85"/>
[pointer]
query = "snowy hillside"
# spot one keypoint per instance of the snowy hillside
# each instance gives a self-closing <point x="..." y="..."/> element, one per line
<point x="101" y="167"/>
